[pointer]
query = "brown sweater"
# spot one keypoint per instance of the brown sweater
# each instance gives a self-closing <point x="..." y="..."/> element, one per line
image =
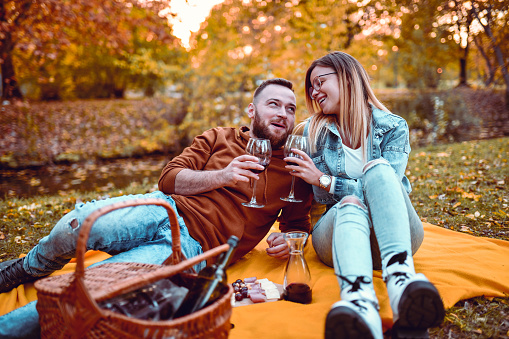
<point x="213" y="216"/>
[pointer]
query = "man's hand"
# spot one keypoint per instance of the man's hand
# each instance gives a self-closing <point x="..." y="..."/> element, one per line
<point x="239" y="170"/>
<point x="189" y="182"/>
<point x="278" y="248"/>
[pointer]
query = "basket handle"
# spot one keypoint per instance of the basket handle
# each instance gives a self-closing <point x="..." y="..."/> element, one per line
<point x="81" y="246"/>
<point x="67" y="302"/>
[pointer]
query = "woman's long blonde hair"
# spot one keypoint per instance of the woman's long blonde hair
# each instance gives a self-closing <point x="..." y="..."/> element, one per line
<point x="354" y="116"/>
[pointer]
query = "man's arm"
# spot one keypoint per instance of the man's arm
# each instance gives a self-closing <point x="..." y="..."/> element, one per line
<point x="189" y="182"/>
<point x="202" y="167"/>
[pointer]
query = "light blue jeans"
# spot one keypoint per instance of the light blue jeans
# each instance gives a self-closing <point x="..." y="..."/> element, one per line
<point x="355" y="239"/>
<point x="133" y="234"/>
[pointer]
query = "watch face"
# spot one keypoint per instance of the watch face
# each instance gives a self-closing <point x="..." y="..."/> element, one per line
<point x="325" y="180"/>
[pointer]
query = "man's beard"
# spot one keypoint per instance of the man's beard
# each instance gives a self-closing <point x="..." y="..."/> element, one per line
<point x="262" y="131"/>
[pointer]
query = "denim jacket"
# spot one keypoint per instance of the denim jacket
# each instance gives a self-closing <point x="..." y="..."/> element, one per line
<point x="388" y="139"/>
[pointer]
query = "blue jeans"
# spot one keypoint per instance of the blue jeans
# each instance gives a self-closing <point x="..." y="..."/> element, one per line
<point x="355" y="239"/>
<point x="133" y="234"/>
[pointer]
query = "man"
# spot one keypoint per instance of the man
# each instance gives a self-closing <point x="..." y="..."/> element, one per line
<point x="206" y="185"/>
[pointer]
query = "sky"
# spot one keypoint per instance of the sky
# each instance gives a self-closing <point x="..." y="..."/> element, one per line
<point x="190" y="14"/>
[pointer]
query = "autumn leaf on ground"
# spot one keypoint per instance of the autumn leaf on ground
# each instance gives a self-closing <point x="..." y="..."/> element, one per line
<point x="466" y="229"/>
<point x="470" y="196"/>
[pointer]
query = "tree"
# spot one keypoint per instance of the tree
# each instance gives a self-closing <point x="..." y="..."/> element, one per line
<point x="243" y="42"/>
<point x="43" y="28"/>
<point x="492" y="16"/>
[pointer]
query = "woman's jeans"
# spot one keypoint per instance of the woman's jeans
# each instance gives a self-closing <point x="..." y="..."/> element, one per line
<point x="355" y="239"/>
<point x="132" y="234"/>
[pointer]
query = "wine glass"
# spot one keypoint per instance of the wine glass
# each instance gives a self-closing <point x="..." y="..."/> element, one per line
<point x="261" y="149"/>
<point x="297" y="142"/>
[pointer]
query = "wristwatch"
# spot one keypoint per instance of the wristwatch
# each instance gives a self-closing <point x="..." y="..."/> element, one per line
<point x="324" y="181"/>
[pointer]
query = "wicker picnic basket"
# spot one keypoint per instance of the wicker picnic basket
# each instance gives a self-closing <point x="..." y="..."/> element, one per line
<point x="67" y="304"/>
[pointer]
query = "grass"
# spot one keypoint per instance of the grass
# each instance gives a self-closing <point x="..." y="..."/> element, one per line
<point x="462" y="186"/>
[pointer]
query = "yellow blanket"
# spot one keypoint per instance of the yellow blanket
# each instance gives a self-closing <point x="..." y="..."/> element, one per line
<point x="461" y="266"/>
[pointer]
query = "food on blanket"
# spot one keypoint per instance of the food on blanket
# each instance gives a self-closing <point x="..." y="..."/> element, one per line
<point x="255" y="290"/>
<point x="239" y="296"/>
<point x="272" y="294"/>
<point x="298" y="292"/>
<point x="257" y="297"/>
<point x="250" y="280"/>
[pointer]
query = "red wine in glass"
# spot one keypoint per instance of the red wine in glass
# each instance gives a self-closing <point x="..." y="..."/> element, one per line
<point x="294" y="142"/>
<point x="261" y="149"/>
<point x="258" y="171"/>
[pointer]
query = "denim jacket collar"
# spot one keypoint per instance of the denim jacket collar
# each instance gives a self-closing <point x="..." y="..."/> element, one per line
<point x="388" y="138"/>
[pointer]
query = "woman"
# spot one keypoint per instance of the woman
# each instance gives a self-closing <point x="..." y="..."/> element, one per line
<point x="359" y="152"/>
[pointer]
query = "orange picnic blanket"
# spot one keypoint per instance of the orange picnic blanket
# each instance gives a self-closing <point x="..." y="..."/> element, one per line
<point x="460" y="265"/>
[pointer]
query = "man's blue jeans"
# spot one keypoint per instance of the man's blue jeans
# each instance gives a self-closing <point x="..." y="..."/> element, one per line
<point x="133" y="234"/>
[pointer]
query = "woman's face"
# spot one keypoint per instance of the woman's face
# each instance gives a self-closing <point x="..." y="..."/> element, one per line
<point x="327" y="97"/>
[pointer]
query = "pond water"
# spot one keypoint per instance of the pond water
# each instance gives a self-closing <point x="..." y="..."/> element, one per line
<point x="89" y="176"/>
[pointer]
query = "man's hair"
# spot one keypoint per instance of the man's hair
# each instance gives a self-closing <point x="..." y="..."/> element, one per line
<point x="276" y="81"/>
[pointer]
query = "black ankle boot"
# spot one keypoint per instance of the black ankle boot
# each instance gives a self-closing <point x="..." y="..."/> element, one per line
<point x="12" y="274"/>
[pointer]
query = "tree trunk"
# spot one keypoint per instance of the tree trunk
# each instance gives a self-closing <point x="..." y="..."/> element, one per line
<point x="10" y="87"/>
<point x="491" y="70"/>
<point x="463" y="68"/>
<point x="499" y="56"/>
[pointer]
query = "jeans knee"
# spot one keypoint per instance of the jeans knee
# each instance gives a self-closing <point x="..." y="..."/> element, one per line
<point x="352" y="200"/>
<point x="68" y="226"/>
<point x="374" y="163"/>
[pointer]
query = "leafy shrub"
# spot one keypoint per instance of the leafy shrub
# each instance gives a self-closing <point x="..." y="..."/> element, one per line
<point x="73" y="131"/>
<point x="449" y="116"/>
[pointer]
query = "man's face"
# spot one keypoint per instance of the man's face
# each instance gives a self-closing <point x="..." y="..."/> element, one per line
<point x="273" y="114"/>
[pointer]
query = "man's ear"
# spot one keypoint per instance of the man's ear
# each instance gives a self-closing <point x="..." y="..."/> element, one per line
<point x="251" y="111"/>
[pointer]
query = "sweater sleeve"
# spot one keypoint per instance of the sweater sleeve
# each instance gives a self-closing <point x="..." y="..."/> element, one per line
<point x="194" y="157"/>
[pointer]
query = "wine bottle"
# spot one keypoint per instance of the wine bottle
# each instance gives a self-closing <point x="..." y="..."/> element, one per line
<point x="210" y="284"/>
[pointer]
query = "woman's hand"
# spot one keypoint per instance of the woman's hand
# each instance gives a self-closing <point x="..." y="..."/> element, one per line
<point x="306" y="169"/>
<point x="278" y="248"/>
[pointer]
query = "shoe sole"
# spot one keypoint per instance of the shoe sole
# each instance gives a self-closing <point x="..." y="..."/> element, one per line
<point x="420" y="307"/>
<point x="344" y="323"/>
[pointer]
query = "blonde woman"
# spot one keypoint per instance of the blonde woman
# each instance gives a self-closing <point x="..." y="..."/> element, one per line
<point x="359" y="152"/>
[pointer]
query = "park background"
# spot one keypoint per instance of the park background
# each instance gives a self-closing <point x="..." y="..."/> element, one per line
<point x="98" y="95"/>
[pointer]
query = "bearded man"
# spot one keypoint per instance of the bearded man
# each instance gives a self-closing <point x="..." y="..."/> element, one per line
<point x="206" y="185"/>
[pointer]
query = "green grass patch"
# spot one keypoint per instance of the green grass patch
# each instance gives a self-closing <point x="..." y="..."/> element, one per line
<point x="463" y="186"/>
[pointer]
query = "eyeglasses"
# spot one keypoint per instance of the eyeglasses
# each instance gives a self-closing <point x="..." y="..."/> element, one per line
<point x="317" y="84"/>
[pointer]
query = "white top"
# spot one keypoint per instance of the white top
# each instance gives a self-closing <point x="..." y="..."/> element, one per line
<point x="353" y="162"/>
<point x="353" y="165"/>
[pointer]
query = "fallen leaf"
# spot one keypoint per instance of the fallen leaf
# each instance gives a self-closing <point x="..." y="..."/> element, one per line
<point x="470" y="196"/>
<point x="466" y="229"/>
